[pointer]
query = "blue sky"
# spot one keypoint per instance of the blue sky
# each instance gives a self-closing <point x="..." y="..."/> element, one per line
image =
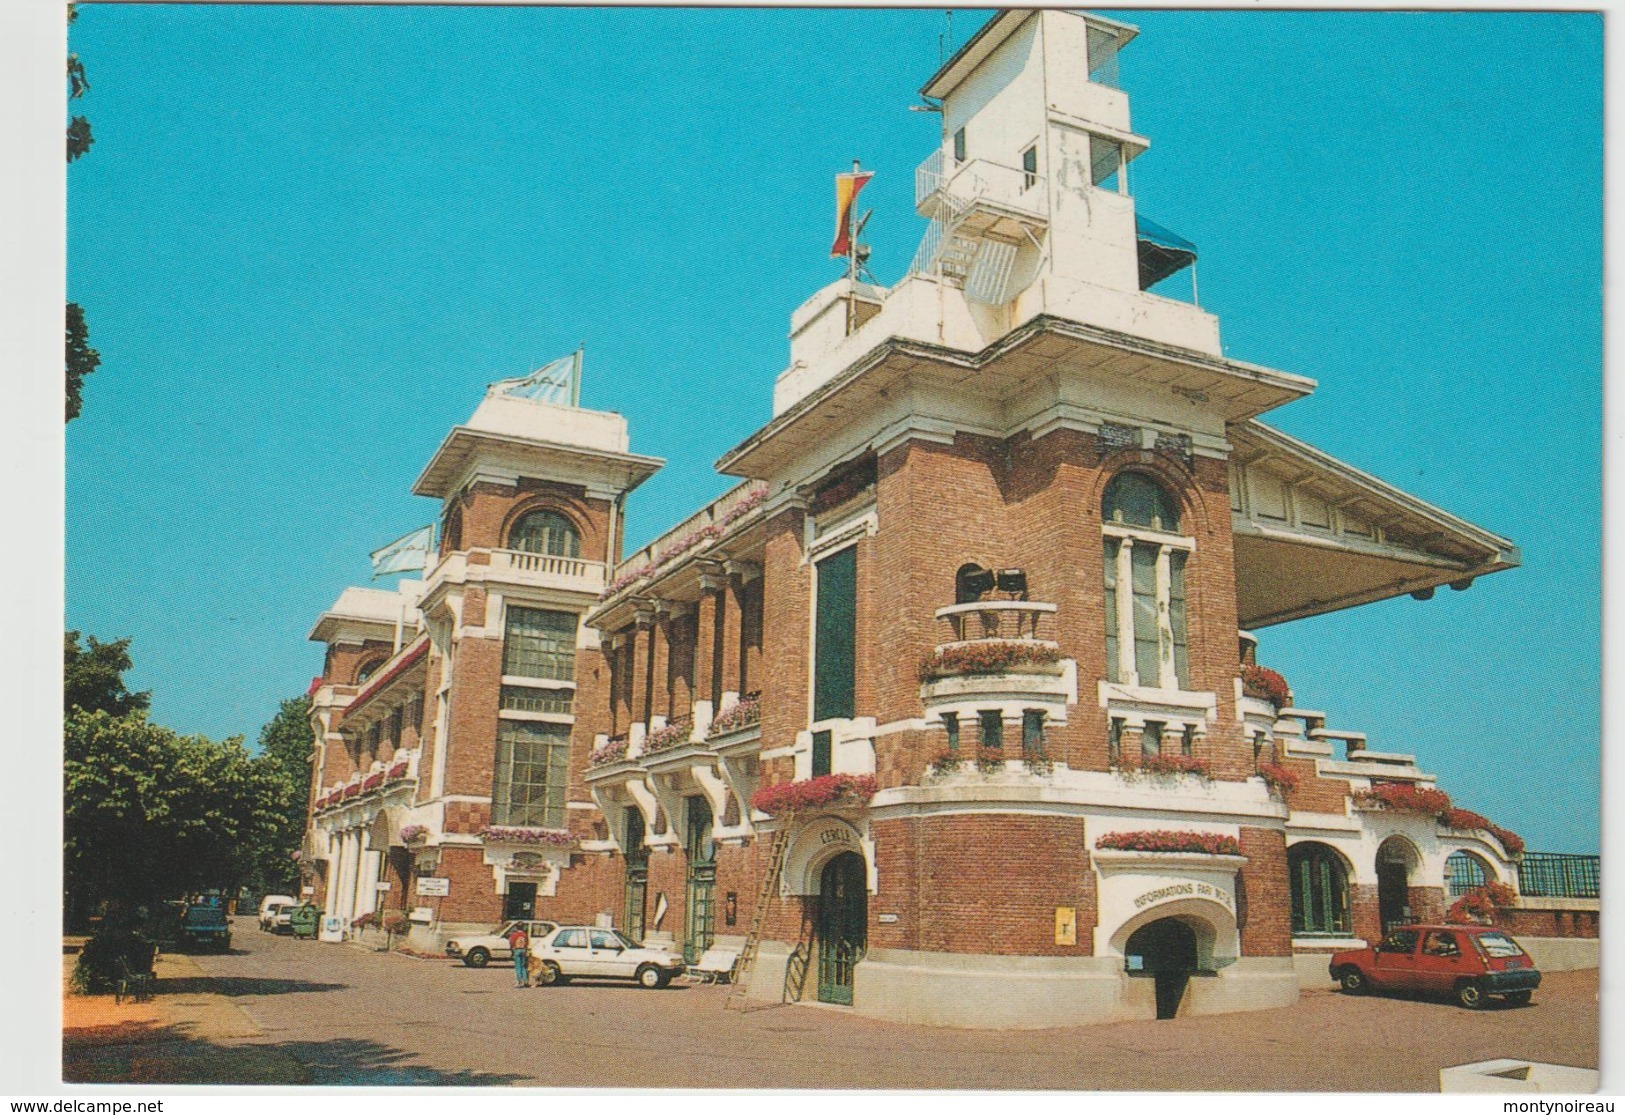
<point x="307" y="238"/>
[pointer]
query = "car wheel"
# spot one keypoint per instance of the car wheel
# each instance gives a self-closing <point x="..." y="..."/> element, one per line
<point x="1519" y="998"/>
<point x="651" y="977"/>
<point x="477" y="958"/>
<point x="548" y="974"/>
<point x="1470" y="995"/>
<point x="1352" y="981"/>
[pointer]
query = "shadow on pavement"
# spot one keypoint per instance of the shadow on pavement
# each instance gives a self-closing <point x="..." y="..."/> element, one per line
<point x="236" y="986"/>
<point x="152" y="1054"/>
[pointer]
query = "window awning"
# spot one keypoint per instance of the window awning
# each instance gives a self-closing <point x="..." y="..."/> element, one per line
<point x="1162" y="253"/>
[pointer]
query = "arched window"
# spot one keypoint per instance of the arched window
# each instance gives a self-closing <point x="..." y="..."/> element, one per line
<point x="545" y="532"/>
<point x="367" y="670"/>
<point x="1145" y="584"/>
<point x="1464" y="871"/>
<point x="1320" y="891"/>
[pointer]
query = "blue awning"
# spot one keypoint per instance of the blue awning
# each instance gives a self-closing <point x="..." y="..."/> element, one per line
<point x="1162" y="253"/>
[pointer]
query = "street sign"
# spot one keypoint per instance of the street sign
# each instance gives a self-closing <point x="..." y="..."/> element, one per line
<point x="432" y="887"/>
<point x="384" y="884"/>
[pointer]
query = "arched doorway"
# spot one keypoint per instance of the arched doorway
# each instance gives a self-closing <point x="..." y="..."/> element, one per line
<point x="1164" y="949"/>
<point x="1395" y="859"/>
<point x="842" y="926"/>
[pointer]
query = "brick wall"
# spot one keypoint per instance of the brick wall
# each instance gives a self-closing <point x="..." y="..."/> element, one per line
<point x="1263" y="894"/>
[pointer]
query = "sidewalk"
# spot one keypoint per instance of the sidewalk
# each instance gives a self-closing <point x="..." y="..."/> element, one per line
<point x="173" y="1038"/>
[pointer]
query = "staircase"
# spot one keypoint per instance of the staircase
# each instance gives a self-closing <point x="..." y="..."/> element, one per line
<point x="758" y="918"/>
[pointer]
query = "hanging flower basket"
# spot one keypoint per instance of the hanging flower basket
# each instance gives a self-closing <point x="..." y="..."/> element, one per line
<point x="831" y="789"/>
<point x="413" y="834"/>
<point x="1163" y="840"/>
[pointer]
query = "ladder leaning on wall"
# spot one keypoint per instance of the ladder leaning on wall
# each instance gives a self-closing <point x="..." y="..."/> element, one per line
<point x="758" y="917"/>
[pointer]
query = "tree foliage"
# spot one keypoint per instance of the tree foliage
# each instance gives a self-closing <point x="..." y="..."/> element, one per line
<point x="150" y="814"/>
<point x="93" y="677"/>
<point x="80" y="360"/>
<point x="285" y="747"/>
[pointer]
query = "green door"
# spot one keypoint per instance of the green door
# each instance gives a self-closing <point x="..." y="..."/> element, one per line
<point x="700" y="922"/>
<point x="843" y="926"/>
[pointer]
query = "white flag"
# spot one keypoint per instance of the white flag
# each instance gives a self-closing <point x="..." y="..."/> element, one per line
<point x="556" y="383"/>
<point x="405" y="554"/>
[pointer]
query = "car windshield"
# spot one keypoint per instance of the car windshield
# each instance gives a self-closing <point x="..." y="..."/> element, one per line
<point x="627" y="941"/>
<point x="205" y="915"/>
<point x="1499" y="945"/>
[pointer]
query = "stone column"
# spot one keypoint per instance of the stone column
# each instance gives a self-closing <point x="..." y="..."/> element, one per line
<point x="731" y="649"/>
<point x="366" y="889"/>
<point x="335" y="856"/>
<point x="660" y="671"/>
<point x="344" y="903"/>
<point x="707" y="654"/>
<point x="641" y="645"/>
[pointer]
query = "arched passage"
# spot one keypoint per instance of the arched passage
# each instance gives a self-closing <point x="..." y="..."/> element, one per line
<point x="842" y="925"/>
<point x="1164" y="950"/>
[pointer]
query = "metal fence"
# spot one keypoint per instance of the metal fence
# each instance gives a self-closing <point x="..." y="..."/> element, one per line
<point x="1558" y="875"/>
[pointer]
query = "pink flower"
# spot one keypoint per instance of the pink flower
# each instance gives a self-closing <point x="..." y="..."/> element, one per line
<point x="813" y="793"/>
<point x="986" y="656"/>
<point x="746" y="712"/>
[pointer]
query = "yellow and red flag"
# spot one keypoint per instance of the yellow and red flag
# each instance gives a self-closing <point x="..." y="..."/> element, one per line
<point x="846" y="196"/>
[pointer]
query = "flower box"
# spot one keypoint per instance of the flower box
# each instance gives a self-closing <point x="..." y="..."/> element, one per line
<point x="1170" y="764"/>
<point x="373" y="780"/>
<point x="1264" y="684"/>
<point x="613" y="751"/>
<point x="517" y="834"/>
<point x="1403" y="797"/>
<point x="987" y="656"/>
<point x="1163" y="840"/>
<point x="675" y="734"/>
<point x="352" y="790"/>
<point x="813" y="793"/>
<point x="397" y="771"/>
<point x="745" y="713"/>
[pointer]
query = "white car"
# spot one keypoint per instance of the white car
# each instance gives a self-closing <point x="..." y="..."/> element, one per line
<point x="480" y="949"/>
<point x="269" y="905"/>
<point x="574" y="951"/>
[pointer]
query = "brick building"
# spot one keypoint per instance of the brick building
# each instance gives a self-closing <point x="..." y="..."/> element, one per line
<point x="957" y="688"/>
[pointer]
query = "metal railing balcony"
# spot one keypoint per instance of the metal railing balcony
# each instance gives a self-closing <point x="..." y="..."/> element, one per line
<point x="948" y="192"/>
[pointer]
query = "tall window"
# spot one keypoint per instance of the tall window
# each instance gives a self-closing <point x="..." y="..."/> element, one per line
<point x="835" y="636"/>
<point x="540" y="644"/>
<point x="1145" y="585"/>
<point x="545" y="532"/>
<point x="1320" y="890"/>
<point x="959" y="146"/>
<point x="532" y="774"/>
<point x="1029" y="167"/>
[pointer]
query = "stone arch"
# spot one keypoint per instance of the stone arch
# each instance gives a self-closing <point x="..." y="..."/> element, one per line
<point x="819" y="840"/>
<point x="1218" y="941"/>
<point x="1178" y="481"/>
<point x="570" y="510"/>
<point x="1398" y="863"/>
<point x="1465" y="869"/>
<point x="1320" y="880"/>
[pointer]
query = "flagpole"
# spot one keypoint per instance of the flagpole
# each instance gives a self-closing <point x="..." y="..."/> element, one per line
<point x="852" y="261"/>
<point x="575" y="380"/>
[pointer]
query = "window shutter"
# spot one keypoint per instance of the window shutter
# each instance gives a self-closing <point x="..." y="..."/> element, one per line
<point x="836" y="629"/>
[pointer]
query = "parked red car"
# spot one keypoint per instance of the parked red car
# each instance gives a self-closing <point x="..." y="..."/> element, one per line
<point x="1470" y="962"/>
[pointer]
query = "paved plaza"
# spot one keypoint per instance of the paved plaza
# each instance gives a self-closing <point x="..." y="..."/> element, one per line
<point x="279" y="1010"/>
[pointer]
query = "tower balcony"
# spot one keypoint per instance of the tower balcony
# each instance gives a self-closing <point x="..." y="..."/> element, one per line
<point x="520" y="568"/>
<point x="997" y="653"/>
<point x="982" y="198"/>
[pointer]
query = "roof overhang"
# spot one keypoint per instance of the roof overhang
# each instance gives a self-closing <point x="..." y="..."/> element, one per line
<point x="395" y="674"/>
<point x="572" y="463"/>
<point x="334" y="626"/>
<point x="1039" y="350"/>
<point x="992" y="34"/>
<point x="1288" y="567"/>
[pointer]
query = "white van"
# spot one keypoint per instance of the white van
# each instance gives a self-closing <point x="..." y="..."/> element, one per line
<point x="269" y="905"/>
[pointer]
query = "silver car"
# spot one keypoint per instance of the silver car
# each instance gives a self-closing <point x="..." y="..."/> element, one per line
<point x="585" y="951"/>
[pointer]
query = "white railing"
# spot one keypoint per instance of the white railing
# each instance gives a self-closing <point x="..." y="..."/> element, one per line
<point x="980" y="180"/>
<point x="995" y="619"/>
<point x="586" y="574"/>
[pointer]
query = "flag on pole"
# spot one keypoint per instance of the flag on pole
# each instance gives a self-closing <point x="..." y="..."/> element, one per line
<point x="846" y="196"/>
<point x="558" y="383"/>
<point x="407" y="553"/>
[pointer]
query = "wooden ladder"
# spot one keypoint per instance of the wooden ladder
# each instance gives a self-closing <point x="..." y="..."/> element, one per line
<point x="758" y="918"/>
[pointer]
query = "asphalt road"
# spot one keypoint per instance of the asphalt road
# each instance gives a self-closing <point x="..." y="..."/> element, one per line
<point x="369" y="1018"/>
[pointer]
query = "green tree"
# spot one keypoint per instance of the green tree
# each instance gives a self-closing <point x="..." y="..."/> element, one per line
<point x="81" y="358"/>
<point x="285" y="750"/>
<point x="93" y="677"/>
<point x="150" y="814"/>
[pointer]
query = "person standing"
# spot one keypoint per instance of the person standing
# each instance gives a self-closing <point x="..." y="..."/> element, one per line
<point x="519" y="941"/>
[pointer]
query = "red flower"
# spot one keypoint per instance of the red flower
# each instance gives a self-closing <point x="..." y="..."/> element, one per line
<point x="1482" y="904"/>
<point x="1164" y="840"/>
<point x="1283" y="780"/>
<point x="1404" y="797"/>
<point x="1266" y="685"/>
<point x="812" y="793"/>
<point x="1174" y="764"/>
<point x="987" y="656"/>
<point x="1467" y="819"/>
